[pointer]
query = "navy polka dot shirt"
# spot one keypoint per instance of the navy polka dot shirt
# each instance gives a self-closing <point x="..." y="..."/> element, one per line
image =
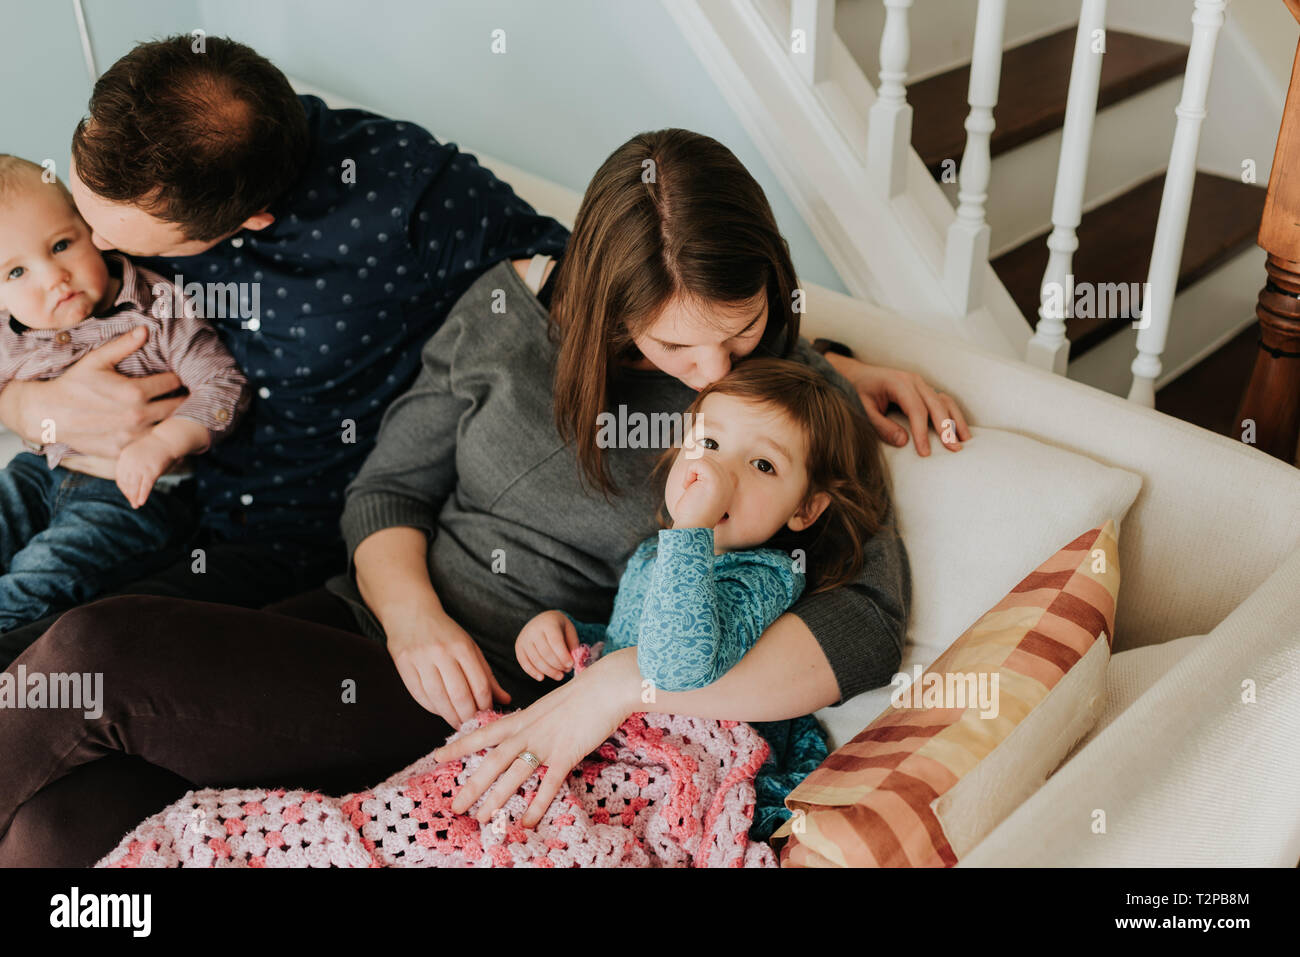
<point x="384" y="230"/>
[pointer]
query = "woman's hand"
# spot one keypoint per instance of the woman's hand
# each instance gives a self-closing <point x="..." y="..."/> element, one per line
<point x="442" y="667"/>
<point x="545" y="644"/>
<point x="878" y="386"/>
<point x="561" y="728"/>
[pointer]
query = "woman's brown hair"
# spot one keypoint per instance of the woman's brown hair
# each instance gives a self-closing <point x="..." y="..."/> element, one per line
<point x="669" y="214"/>
<point x="844" y="461"/>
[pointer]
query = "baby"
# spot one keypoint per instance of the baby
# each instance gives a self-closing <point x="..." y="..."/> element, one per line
<point x="66" y="534"/>
<point x="774" y="452"/>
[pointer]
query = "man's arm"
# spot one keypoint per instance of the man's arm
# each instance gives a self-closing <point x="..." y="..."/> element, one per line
<point x="464" y="220"/>
<point x="91" y="407"/>
<point x="218" y="390"/>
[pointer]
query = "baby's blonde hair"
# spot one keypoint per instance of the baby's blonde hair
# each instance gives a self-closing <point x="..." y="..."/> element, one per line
<point x="16" y="175"/>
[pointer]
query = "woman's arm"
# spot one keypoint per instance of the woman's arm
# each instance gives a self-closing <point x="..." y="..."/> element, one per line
<point x="411" y="471"/>
<point x="391" y="513"/>
<point x="392" y="568"/>
<point x="785" y="675"/>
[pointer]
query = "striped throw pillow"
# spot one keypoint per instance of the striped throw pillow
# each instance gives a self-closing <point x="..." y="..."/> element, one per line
<point x="974" y="735"/>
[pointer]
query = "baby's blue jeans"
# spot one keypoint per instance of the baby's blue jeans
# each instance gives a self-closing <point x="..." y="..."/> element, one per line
<point x="66" y="537"/>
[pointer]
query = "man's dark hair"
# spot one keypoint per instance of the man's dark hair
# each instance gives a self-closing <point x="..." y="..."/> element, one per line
<point x="200" y="139"/>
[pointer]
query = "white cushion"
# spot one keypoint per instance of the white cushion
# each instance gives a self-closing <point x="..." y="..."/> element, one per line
<point x="1129" y="675"/>
<point x="975" y="523"/>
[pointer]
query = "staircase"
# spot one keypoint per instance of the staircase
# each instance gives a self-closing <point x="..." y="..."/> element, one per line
<point x="1116" y="236"/>
<point x="958" y="160"/>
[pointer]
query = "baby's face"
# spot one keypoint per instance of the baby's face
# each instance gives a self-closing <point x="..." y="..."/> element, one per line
<point x="762" y="452"/>
<point x="51" y="274"/>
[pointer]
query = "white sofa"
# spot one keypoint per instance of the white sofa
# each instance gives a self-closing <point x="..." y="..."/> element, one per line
<point x="1185" y="771"/>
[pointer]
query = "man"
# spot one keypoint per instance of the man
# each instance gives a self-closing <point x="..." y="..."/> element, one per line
<point x="331" y="242"/>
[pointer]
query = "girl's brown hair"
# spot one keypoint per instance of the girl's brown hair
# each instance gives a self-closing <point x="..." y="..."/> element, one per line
<point x="844" y="461"/>
<point x="669" y="214"/>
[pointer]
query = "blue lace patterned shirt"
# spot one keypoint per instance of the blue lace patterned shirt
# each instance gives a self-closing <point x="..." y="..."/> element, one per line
<point x="692" y="616"/>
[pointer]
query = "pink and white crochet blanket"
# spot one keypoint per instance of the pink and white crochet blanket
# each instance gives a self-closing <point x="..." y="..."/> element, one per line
<point x="662" y="791"/>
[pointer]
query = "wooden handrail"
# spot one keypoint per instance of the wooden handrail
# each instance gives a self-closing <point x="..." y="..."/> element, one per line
<point x="1272" y="399"/>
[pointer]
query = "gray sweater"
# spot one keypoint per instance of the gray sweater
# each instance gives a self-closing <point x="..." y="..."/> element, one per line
<point x="470" y="455"/>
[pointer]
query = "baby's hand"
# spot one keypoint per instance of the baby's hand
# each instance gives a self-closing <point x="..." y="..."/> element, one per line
<point x="138" y="467"/>
<point x="708" y="491"/>
<point x="545" y="643"/>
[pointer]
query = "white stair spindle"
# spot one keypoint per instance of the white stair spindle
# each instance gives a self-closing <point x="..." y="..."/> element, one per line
<point x="967" y="253"/>
<point x="889" y="127"/>
<point x="1049" y="349"/>
<point x="1175" y="204"/>
<point x="812" y="31"/>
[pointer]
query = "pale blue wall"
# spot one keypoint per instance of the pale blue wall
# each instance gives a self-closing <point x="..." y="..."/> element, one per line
<point x="45" y="81"/>
<point x="579" y="76"/>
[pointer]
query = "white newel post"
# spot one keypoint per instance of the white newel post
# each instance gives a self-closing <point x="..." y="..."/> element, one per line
<point x="1049" y="349"/>
<point x="812" y="31"/>
<point x="1175" y="202"/>
<point x="967" y="252"/>
<point x="889" y="126"/>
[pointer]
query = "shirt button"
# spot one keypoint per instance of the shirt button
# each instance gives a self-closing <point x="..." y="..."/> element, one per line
<point x="246" y="499"/>
<point x="237" y="242"/>
<point x="264" y="392"/>
<point x="222" y="415"/>
<point x="63" y="337"/>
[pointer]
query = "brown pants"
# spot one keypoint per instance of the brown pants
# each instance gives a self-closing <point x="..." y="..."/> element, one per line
<point x="196" y="695"/>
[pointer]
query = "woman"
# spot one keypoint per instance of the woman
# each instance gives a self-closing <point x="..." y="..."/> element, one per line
<point x="492" y="494"/>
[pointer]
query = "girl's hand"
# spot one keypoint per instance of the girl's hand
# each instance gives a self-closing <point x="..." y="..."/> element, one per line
<point x="561" y="728"/>
<point x="443" y="667"/>
<point x="545" y="643"/>
<point x="878" y="386"/>
<point x="708" y="491"/>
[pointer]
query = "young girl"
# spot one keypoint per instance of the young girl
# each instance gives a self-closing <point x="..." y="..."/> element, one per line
<point x="770" y="493"/>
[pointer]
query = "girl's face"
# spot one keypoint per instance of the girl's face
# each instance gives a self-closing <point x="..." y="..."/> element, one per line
<point x="762" y="456"/>
<point x="697" y="342"/>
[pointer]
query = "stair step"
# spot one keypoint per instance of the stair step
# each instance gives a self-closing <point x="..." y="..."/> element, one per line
<point x="1032" y="92"/>
<point x="1209" y="393"/>
<point x="1115" y="242"/>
